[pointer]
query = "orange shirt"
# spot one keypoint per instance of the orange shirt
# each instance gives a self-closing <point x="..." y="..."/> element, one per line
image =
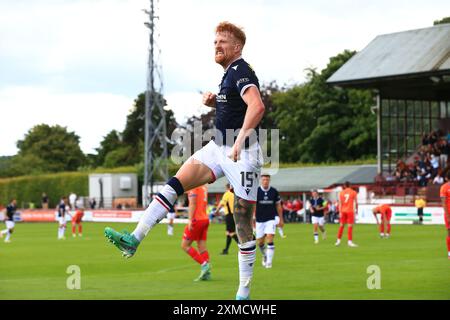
<point x="384" y="208"/>
<point x="445" y="193"/>
<point x="347" y="199"/>
<point x="201" y="196"/>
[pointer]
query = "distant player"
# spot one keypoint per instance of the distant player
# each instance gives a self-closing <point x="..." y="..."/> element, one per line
<point x="385" y="212"/>
<point x="268" y="206"/>
<point x="347" y="208"/>
<point x="171" y="217"/>
<point x="227" y="203"/>
<point x="9" y="220"/>
<point x="62" y="210"/>
<point x="317" y="216"/>
<point x="197" y="230"/>
<point x="445" y="198"/>
<point x="76" y="221"/>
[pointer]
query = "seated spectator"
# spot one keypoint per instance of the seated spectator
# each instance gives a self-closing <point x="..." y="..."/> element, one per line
<point x="379" y="178"/>
<point x="434" y="162"/>
<point x="444" y="153"/>
<point x="439" y="179"/>
<point x="297" y="205"/>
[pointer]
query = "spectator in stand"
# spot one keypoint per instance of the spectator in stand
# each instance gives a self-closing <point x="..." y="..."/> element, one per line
<point x="445" y="152"/>
<point x="439" y="179"/>
<point x="379" y="178"/>
<point x="92" y="203"/>
<point x="287" y="209"/>
<point x="433" y="137"/>
<point x="434" y="162"/>
<point x="297" y="205"/>
<point x="425" y="140"/>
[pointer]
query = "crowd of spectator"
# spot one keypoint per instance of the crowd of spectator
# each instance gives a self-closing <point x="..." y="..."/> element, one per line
<point x="430" y="164"/>
<point x="294" y="210"/>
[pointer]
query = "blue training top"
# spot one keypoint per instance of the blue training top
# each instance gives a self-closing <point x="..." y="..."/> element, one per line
<point x="266" y="208"/>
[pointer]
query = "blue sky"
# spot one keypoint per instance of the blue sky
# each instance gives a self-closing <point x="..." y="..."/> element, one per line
<point x="81" y="63"/>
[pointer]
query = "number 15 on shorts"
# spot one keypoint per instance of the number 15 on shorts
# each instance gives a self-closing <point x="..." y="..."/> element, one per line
<point x="247" y="178"/>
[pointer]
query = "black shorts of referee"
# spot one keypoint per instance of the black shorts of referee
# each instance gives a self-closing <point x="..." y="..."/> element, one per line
<point x="230" y="225"/>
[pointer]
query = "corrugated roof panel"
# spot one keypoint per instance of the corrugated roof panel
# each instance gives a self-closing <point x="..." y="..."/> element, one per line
<point x="308" y="178"/>
<point x="400" y="53"/>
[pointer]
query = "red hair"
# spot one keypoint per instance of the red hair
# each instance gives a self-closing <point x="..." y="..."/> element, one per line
<point x="236" y="31"/>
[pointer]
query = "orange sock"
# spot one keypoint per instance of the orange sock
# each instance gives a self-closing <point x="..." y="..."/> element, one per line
<point x="205" y="256"/>
<point x="341" y="230"/>
<point x="80" y="229"/>
<point x="350" y="233"/>
<point x="389" y="228"/>
<point x="195" y="255"/>
<point x="73" y="229"/>
<point x="448" y="243"/>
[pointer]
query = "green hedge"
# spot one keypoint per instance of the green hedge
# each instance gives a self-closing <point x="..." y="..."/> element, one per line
<point x="28" y="189"/>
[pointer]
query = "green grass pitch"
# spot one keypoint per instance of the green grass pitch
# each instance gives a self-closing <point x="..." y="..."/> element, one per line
<point x="413" y="265"/>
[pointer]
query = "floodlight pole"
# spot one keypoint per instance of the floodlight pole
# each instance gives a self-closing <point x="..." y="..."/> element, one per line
<point x="155" y="130"/>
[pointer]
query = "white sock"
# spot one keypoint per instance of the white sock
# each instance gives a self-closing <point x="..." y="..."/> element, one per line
<point x="246" y="264"/>
<point x="59" y="232"/>
<point x="155" y="212"/>
<point x="316" y="236"/>
<point x="270" y="253"/>
<point x="4" y="231"/>
<point x="169" y="229"/>
<point x="8" y="235"/>
<point x="280" y="231"/>
<point x="381" y="234"/>
<point x="262" y="249"/>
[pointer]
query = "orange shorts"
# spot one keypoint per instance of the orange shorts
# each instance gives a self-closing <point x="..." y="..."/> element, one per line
<point x="199" y="230"/>
<point x="347" y="217"/>
<point x="77" y="218"/>
<point x="388" y="217"/>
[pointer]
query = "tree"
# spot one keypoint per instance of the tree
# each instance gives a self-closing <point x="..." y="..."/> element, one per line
<point x="442" y="21"/>
<point x="109" y="143"/>
<point x="319" y="123"/>
<point x="127" y="148"/>
<point x="49" y="149"/>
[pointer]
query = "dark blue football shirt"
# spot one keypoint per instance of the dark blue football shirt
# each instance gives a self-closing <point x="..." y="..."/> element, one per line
<point x="230" y="107"/>
<point x="266" y="202"/>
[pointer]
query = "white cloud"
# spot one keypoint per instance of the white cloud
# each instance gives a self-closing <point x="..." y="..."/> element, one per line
<point x="185" y="104"/>
<point x="90" y="116"/>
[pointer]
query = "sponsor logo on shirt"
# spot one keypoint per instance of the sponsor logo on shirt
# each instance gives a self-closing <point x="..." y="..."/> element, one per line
<point x="221" y="98"/>
<point x="242" y="80"/>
